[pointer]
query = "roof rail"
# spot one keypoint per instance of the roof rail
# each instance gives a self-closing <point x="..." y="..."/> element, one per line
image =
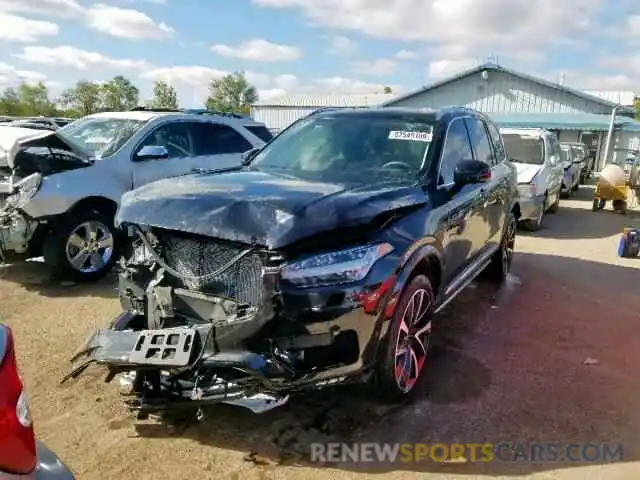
<point x="204" y="111"/>
<point x="142" y="108"/>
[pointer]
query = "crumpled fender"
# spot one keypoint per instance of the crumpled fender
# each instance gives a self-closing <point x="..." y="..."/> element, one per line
<point x="61" y="191"/>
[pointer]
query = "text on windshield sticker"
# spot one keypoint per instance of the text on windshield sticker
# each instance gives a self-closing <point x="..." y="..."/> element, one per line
<point x="407" y="135"/>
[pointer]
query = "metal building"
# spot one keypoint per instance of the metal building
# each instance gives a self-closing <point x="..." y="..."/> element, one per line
<point x="517" y="99"/>
<point x="280" y="112"/>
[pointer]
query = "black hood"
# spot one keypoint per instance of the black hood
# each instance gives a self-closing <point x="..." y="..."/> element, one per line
<point x="262" y="208"/>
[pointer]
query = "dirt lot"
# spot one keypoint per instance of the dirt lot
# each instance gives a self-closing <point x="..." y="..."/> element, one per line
<point x="510" y="366"/>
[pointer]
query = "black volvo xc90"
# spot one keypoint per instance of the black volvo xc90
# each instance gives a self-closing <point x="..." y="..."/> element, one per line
<point x="320" y="261"/>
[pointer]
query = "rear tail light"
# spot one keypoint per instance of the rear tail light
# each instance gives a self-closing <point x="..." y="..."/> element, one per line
<point x="17" y="439"/>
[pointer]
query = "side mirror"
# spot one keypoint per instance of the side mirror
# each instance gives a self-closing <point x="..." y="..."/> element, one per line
<point x="470" y="172"/>
<point x="152" y="152"/>
<point x="249" y="155"/>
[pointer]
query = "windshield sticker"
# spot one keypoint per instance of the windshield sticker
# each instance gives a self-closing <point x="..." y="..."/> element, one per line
<point x="407" y="135"/>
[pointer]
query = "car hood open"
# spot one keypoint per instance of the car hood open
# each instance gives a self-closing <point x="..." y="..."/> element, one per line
<point x="261" y="208"/>
<point x="11" y="139"/>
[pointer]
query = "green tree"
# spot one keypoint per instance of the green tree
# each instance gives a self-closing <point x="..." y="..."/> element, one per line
<point x="636" y="104"/>
<point x="164" y="96"/>
<point x="232" y="93"/>
<point x="120" y="94"/>
<point x="34" y="100"/>
<point x="10" y="103"/>
<point x="84" y="98"/>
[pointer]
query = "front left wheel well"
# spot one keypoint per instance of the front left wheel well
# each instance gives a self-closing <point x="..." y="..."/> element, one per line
<point x="430" y="267"/>
<point x="516" y="211"/>
<point x="99" y="204"/>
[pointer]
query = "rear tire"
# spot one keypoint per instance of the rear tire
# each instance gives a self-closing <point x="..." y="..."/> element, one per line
<point x="501" y="261"/>
<point x="408" y="342"/>
<point x="83" y="247"/>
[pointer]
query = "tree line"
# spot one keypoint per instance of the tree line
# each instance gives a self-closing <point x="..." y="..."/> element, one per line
<point x="231" y="93"/>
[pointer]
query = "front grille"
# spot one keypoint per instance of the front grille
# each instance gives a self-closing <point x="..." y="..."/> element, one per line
<point x="198" y="256"/>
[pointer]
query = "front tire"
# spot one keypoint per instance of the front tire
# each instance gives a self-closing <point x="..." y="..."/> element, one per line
<point x="556" y="205"/>
<point x="408" y="342"/>
<point x="535" y="225"/>
<point x="83" y="247"/>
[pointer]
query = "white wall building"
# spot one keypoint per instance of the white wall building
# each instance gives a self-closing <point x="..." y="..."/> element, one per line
<point x="280" y="112"/>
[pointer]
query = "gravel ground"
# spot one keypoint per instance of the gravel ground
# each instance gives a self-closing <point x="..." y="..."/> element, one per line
<point x="547" y="358"/>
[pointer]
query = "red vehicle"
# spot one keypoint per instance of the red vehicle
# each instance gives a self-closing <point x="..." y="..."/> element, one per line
<point x="21" y="456"/>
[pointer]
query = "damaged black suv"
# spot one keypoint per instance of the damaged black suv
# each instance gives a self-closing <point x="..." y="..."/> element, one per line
<point x="320" y="261"/>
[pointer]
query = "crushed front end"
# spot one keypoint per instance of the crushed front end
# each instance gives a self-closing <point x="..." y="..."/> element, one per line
<point x="211" y="321"/>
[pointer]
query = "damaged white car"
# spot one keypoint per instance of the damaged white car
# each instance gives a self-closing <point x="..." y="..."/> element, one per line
<point x="59" y="191"/>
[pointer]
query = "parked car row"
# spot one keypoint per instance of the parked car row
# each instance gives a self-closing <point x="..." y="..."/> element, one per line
<point x="249" y="270"/>
<point x="547" y="171"/>
<point x="37" y="123"/>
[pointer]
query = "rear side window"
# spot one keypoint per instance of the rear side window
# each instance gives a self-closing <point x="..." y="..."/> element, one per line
<point x="261" y="132"/>
<point x="217" y="139"/>
<point x="480" y="141"/>
<point x="498" y="144"/>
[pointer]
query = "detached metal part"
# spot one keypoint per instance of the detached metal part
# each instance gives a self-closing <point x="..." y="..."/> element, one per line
<point x="15" y="231"/>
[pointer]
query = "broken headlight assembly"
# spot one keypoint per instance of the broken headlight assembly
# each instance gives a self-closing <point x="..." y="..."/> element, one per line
<point x="24" y="190"/>
<point x="333" y="268"/>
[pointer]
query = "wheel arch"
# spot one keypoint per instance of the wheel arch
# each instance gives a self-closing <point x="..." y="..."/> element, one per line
<point x="426" y="260"/>
<point x="95" y="203"/>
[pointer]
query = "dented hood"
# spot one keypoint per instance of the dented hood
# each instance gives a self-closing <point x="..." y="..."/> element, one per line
<point x="259" y="207"/>
<point x="11" y="139"/>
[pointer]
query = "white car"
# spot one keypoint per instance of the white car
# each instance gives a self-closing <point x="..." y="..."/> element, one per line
<point x="59" y="191"/>
<point x="535" y="152"/>
<point x="572" y="164"/>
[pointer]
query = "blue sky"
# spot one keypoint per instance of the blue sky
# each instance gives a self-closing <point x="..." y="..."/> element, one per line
<point x="289" y="46"/>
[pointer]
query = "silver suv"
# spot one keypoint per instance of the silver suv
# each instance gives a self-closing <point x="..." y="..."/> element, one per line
<point x="59" y="191"/>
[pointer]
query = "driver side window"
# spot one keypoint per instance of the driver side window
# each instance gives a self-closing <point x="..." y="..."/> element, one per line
<point x="175" y="137"/>
<point x="456" y="148"/>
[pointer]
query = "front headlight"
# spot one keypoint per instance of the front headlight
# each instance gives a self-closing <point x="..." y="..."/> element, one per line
<point x="25" y="190"/>
<point x="527" y="190"/>
<point x="332" y="268"/>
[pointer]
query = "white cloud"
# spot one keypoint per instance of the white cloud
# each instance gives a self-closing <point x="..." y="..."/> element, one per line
<point x="260" y="50"/>
<point x="53" y="8"/>
<point x="344" y="46"/>
<point x="126" y="23"/>
<point x="632" y="29"/>
<point x="509" y="27"/>
<point x="444" y="68"/>
<point x="381" y="66"/>
<point x="11" y="76"/>
<point x="406" y="55"/>
<point x="190" y="81"/>
<point x="76" y="58"/>
<point x="286" y="81"/>
<point x="114" y="21"/>
<point x="349" y="85"/>
<point x="269" y="93"/>
<point x="19" y="29"/>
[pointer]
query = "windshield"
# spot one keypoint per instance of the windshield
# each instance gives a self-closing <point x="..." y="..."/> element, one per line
<point x="99" y="136"/>
<point x="345" y="148"/>
<point x="521" y="149"/>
